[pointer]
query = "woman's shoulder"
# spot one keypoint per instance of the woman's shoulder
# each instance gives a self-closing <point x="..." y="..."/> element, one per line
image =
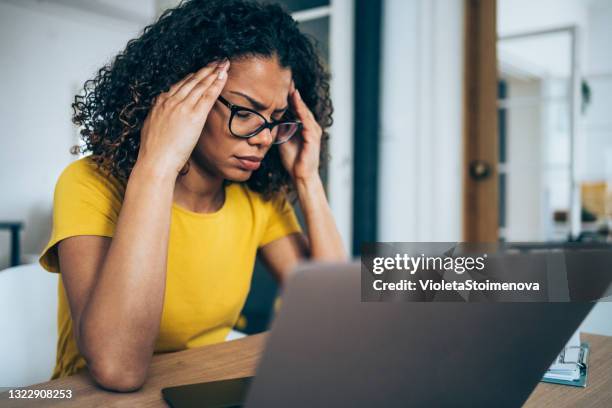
<point x="86" y="169"/>
<point x="83" y="168"/>
<point x="85" y="202"/>
<point x="84" y="176"/>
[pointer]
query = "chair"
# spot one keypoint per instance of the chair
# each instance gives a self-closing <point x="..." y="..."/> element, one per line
<point x="28" y="312"/>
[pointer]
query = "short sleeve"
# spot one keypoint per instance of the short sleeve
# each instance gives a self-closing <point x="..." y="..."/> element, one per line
<point x="85" y="202"/>
<point x="282" y="220"/>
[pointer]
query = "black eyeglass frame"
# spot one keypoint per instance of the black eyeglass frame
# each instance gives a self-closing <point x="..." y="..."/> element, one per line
<point x="266" y="125"/>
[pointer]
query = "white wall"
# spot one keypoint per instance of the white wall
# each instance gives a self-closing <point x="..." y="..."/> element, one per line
<point x="524" y="164"/>
<point x="420" y="152"/>
<point x="517" y="16"/>
<point x="47" y="50"/>
<point x="597" y="123"/>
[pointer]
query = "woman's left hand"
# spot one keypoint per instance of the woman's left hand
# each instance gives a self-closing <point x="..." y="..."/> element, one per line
<point x="300" y="155"/>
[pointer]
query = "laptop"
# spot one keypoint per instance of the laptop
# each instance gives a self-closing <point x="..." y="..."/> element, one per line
<point x="326" y="348"/>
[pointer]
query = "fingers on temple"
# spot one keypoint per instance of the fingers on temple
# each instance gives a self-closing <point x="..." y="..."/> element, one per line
<point x="177" y="85"/>
<point x="305" y="115"/>
<point x="206" y="93"/>
<point x="301" y="107"/>
<point x="186" y="87"/>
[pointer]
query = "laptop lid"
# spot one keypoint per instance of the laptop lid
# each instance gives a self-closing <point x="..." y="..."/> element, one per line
<point x="327" y="348"/>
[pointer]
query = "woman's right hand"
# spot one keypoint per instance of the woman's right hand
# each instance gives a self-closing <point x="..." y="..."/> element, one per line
<point x="174" y="123"/>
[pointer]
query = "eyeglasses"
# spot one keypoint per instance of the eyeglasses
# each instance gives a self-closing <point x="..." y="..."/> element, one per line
<point x="246" y="123"/>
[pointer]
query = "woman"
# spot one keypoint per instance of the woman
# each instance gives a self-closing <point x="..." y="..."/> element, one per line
<point x="197" y="131"/>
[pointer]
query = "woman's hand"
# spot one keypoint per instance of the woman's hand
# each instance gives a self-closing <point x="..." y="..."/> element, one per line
<point x="174" y="123"/>
<point x="300" y="155"/>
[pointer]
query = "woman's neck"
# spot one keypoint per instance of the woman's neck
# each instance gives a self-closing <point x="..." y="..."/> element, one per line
<point x="198" y="190"/>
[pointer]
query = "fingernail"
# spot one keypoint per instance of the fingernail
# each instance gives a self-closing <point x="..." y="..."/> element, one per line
<point x="222" y="74"/>
<point x="298" y="94"/>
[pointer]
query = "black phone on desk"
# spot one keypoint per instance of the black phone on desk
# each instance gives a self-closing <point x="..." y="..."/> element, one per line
<point x="216" y="394"/>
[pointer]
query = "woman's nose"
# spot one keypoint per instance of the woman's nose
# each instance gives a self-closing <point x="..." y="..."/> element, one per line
<point x="263" y="138"/>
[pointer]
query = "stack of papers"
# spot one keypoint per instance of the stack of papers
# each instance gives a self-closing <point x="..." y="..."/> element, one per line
<point x="565" y="368"/>
<point x="570" y="367"/>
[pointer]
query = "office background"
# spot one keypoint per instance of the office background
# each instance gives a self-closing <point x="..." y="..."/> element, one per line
<point x="398" y="141"/>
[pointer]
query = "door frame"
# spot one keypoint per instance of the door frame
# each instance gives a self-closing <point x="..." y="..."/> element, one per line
<point x="480" y="139"/>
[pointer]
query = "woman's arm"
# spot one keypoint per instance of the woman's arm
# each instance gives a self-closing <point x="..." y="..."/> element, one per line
<point x="115" y="288"/>
<point x="324" y="238"/>
<point x="323" y="242"/>
<point x="300" y="156"/>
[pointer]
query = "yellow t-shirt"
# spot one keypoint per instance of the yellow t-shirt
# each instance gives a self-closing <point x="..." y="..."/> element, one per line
<point x="210" y="256"/>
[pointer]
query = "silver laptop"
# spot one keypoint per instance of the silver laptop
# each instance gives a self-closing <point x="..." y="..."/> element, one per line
<point x="326" y="348"/>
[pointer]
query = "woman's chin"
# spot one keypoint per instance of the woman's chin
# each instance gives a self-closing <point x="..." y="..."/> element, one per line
<point x="238" y="175"/>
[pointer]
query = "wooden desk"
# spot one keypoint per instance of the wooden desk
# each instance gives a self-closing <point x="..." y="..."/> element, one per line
<point x="239" y="357"/>
<point x="231" y="359"/>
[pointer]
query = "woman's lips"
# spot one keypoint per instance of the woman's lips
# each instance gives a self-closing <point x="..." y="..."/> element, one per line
<point x="249" y="163"/>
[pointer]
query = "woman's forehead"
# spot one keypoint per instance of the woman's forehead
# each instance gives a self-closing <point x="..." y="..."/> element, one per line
<point x="261" y="78"/>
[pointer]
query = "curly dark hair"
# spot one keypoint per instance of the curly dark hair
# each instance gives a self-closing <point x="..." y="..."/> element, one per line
<point x="113" y="106"/>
